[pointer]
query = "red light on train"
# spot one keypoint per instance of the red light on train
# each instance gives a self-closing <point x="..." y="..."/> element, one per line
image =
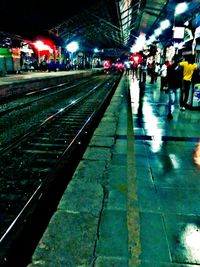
<point x="107" y="64"/>
<point x="137" y="58"/>
<point x="119" y="66"/>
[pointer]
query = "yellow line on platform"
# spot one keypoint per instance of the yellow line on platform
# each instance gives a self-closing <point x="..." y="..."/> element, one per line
<point x="133" y="219"/>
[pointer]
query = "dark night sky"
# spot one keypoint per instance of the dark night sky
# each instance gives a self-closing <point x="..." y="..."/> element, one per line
<point x="35" y="17"/>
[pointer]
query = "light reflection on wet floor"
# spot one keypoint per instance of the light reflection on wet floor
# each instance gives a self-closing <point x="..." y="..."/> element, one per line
<point x="167" y="154"/>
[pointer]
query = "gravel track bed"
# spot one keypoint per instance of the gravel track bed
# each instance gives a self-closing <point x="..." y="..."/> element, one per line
<point x="19" y="122"/>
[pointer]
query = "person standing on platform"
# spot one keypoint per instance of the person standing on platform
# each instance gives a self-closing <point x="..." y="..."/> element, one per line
<point x="143" y="73"/>
<point x="163" y="75"/>
<point x="174" y="81"/>
<point x="153" y="66"/>
<point x="134" y="69"/>
<point x="188" y="69"/>
<point x="157" y="71"/>
<point x="127" y="67"/>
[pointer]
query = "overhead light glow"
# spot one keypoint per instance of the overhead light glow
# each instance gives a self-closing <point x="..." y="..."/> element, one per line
<point x="152" y="38"/>
<point x="139" y="44"/>
<point x="72" y="47"/>
<point x="181" y="8"/>
<point x="158" y="31"/>
<point x="41" y="46"/>
<point x="165" y="24"/>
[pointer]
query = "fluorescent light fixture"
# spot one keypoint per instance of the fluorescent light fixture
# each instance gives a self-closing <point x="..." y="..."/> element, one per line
<point x="165" y="24"/>
<point x="158" y="31"/>
<point x="180" y="8"/>
<point x="152" y="38"/>
<point x="72" y="47"/>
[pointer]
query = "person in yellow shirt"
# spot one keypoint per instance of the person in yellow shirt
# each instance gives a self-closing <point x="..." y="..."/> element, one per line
<point x="188" y="69"/>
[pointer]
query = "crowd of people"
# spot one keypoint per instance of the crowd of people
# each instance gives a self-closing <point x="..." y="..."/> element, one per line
<point x="176" y="78"/>
<point x="179" y="79"/>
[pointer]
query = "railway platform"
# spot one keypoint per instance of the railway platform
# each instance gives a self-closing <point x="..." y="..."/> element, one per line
<point x="32" y="75"/>
<point x="134" y="197"/>
<point x="133" y="200"/>
<point x="13" y="84"/>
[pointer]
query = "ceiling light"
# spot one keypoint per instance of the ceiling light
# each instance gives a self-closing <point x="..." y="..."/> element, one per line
<point x="158" y="31"/>
<point x="181" y="8"/>
<point x="72" y="47"/>
<point x="152" y="38"/>
<point x="165" y="24"/>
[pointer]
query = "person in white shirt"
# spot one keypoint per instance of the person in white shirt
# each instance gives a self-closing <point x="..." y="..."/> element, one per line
<point x="157" y="71"/>
<point x="163" y="75"/>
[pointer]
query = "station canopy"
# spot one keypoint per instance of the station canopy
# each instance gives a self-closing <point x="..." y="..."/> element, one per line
<point x="106" y="24"/>
<point x="118" y="23"/>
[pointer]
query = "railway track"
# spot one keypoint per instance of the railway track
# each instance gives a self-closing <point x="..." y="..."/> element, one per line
<point x="36" y="168"/>
<point x="18" y="115"/>
<point x="26" y="99"/>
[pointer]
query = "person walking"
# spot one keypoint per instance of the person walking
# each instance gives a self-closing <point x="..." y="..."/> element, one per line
<point x="188" y="69"/>
<point x="174" y="81"/>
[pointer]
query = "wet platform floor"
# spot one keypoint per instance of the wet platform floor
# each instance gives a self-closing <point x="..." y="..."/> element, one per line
<point x="167" y="159"/>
